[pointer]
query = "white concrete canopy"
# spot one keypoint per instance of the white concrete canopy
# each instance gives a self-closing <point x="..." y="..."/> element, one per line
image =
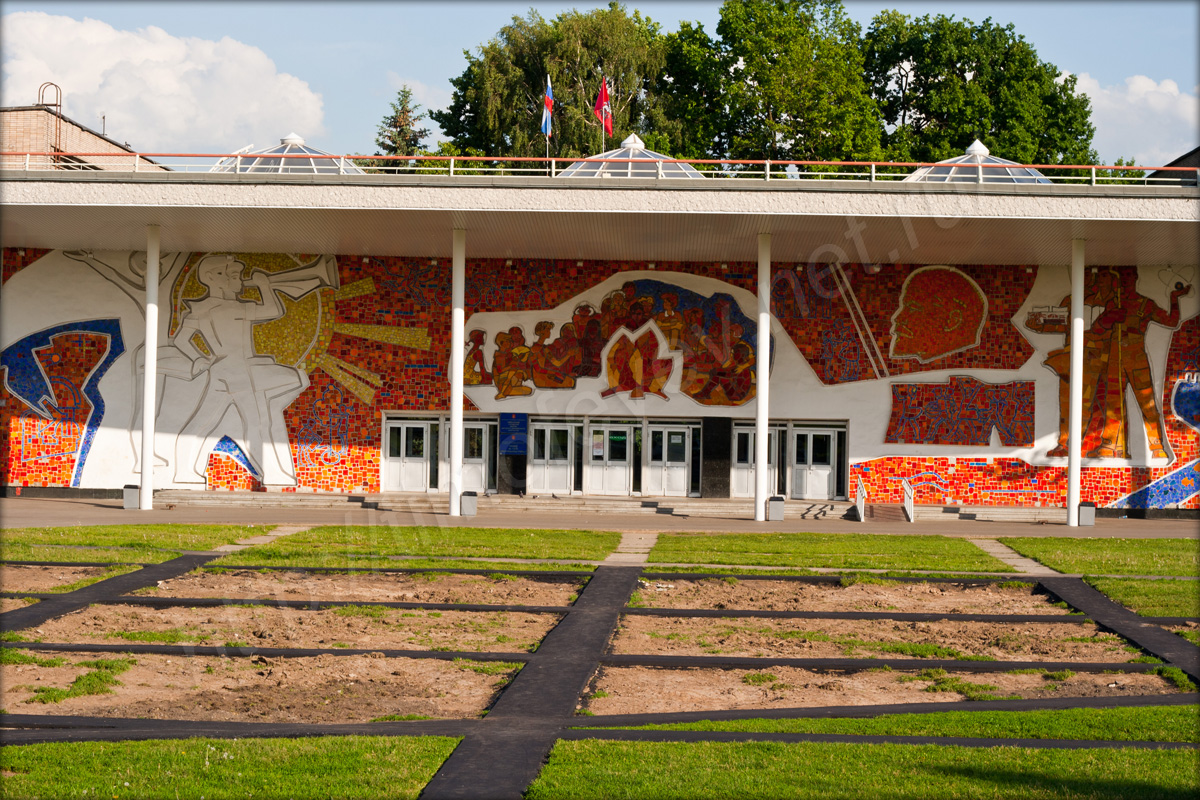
<point x="618" y="219"/>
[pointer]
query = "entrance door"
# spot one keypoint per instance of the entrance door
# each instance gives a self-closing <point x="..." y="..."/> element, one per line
<point x="812" y="472"/>
<point x="406" y="462"/>
<point x="476" y="457"/>
<point x="743" y="462"/>
<point x="669" y="470"/>
<point x="550" y="459"/>
<point x="611" y="455"/>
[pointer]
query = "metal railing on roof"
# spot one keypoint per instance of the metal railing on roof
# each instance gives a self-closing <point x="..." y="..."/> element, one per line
<point x="727" y="169"/>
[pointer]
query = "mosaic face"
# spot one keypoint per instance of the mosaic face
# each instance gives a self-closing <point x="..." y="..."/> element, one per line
<point x="941" y="311"/>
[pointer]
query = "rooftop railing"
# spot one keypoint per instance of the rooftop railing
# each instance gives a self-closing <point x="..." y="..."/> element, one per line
<point x="722" y="169"/>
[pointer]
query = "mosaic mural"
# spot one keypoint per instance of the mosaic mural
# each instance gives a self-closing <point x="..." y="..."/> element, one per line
<point x="638" y="326"/>
<point x="277" y="370"/>
<point x="860" y="322"/>
<point x="1114" y="360"/>
<point x="963" y="411"/>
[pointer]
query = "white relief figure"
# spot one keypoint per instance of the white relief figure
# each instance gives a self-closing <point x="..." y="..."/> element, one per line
<point x="129" y="275"/>
<point x="236" y="391"/>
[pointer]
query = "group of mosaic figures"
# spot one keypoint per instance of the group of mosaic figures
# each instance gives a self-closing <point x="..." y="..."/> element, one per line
<point x="211" y="380"/>
<point x="718" y="366"/>
<point x="1114" y="357"/>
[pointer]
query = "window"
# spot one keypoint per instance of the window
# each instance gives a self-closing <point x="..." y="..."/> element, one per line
<point x="618" y="446"/>
<point x="414" y="441"/>
<point x="395" y="436"/>
<point x="676" y="447"/>
<point x="743" y="447"/>
<point x="822" y="449"/>
<point x="559" y="440"/>
<point x="539" y="444"/>
<point x="656" y="447"/>
<point x="802" y="449"/>
<point x="473" y="443"/>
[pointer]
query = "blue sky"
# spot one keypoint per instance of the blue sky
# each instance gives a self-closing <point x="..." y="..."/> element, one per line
<point x="222" y="75"/>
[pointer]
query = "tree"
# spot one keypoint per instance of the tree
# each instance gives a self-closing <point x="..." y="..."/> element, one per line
<point x="942" y="82"/>
<point x="794" y="85"/>
<point x="496" y="106"/>
<point x="398" y="134"/>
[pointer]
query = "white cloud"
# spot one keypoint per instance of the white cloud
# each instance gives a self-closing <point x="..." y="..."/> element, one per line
<point x="159" y="92"/>
<point x="1154" y="122"/>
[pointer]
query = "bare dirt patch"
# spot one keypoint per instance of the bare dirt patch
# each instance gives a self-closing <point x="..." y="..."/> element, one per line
<point x="837" y="638"/>
<point x="357" y="627"/>
<point x="21" y="578"/>
<point x="10" y="603"/>
<point x="323" y="689"/>
<point x="942" y="598"/>
<point x="384" y="587"/>
<point x="648" y="690"/>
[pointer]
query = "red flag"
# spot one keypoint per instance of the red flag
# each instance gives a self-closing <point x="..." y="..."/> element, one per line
<point x="603" y="110"/>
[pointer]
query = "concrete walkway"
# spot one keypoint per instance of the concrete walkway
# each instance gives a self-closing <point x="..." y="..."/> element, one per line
<point x="25" y="512"/>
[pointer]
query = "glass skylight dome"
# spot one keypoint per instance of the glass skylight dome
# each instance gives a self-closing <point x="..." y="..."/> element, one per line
<point x="964" y="169"/>
<point x="267" y="161"/>
<point x="632" y="147"/>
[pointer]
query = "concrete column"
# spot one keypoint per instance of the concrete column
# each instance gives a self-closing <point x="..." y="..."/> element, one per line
<point x="1075" y="386"/>
<point x="150" y="372"/>
<point x="458" y="319"/>
<point x="762" y="369"/>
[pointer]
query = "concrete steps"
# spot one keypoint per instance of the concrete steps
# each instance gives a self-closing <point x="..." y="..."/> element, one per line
<point x="186" y="497"/>
<point x="894" y="512"/>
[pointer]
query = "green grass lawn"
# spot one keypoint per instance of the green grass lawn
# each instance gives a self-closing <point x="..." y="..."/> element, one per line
<point x="1152" y="598"/>
<point x="598" y="769"/>
<point x="1112" y="556"/>
<point x="347" y="546"/>
<point x="1152" y="724"/>
<point x="847" y="551"/>
<point x="148" y="544"/>
<point x="320" y="767"/>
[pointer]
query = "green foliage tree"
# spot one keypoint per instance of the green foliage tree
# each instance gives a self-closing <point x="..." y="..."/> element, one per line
<point x="942" y="82"/>
<point x="398" y="134"/>
<point x="794" y="86"/>
<point x="496" y="106"/>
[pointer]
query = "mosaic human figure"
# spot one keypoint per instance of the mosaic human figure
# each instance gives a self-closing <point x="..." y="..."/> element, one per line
<point x="1100" y="292"/>
<point x="1124" y="324"/>
<point x="510" y="365"/>
<point x="238" y="392"/>
<point x="551" y="367"/>
<point x="733" y="379"/>
<point x="670" y="321"/>
<point x="475" y="371"/>
<point x="941" y="311"/>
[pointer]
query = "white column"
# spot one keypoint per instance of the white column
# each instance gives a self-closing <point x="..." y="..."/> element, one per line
<point x="1075" y="386"/>
<point x="150" y="372"/>
<point x="762" y="368"/>
<point x="458" y="319"/>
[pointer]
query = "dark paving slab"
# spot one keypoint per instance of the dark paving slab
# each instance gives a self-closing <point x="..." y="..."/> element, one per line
<point x="106" y="591"/>
<point x="1175" y="650"/>
<point x="503" y="759"/>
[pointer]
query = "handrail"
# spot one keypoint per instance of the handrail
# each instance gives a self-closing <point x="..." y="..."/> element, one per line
<point x="909" y="501"/>
<point x="513" y="165"/>
<point x="860" y="500"/>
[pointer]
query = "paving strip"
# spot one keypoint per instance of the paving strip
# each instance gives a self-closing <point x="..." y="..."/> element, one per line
<point x="505" y="757"/>
<point x="1020" y="563"/>
<point x="1175" y="650"/>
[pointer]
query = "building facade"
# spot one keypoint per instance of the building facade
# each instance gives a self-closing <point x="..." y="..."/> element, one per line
<point x="610" y="342"/>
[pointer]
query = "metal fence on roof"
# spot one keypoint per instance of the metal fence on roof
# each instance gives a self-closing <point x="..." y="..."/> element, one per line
<point x="525" y="167"/>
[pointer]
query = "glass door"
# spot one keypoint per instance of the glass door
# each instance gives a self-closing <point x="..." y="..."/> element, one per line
<point x="813" y="465"/>
<point x="610" y="455"/>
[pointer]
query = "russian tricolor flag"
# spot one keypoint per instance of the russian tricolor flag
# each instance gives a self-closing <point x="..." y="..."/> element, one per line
<point x="547" y="107"/>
